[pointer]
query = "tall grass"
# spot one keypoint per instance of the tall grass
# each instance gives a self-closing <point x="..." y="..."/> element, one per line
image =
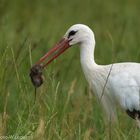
<point x="65" y="109"/>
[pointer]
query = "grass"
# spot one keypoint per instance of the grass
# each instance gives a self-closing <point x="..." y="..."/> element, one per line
<point x="65" y="108"/>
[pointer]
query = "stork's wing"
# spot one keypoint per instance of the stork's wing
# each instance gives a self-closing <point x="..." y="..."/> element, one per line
<point x="125" y="86"/>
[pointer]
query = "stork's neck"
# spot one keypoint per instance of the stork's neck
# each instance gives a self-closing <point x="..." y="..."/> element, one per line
<point x="87" y="56"/>
<point x="87" y="53"/>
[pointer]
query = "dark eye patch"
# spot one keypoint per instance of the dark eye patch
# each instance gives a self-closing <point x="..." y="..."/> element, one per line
<point x="71" y="33"/>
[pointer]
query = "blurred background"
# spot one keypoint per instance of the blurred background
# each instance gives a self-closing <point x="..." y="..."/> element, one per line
<point x="65" y="109"/>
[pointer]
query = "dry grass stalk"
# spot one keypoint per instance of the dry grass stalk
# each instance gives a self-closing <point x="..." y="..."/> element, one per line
<point x="88" y="134"/>
<point x="40" y="131"/>
<point x="3" y="118"/>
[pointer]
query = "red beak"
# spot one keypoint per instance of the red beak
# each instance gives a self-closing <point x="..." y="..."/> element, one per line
<point x="53" y="53"/>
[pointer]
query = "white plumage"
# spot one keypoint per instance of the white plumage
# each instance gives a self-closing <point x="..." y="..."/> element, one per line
<point x="119" y="82"/>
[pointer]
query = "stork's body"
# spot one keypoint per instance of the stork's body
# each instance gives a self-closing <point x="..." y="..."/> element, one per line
<point x="112" y="83"/>
<point x="119" y="82"/>
<point x="116" y="83"/>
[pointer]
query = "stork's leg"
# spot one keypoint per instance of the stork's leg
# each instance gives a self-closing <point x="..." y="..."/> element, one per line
<point x="138" y="122"/>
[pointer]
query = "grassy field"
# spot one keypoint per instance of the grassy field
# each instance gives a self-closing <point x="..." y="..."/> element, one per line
<point x="65" y="108"/>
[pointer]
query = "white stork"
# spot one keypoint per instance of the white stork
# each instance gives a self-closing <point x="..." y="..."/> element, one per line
<point x="118" y="82"/>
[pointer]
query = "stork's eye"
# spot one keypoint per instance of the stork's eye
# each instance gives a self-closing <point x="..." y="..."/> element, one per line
<point x="71" y="33"/>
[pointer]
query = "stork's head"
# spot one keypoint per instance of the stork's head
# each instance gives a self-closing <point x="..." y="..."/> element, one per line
<point x="76" y="34"/>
